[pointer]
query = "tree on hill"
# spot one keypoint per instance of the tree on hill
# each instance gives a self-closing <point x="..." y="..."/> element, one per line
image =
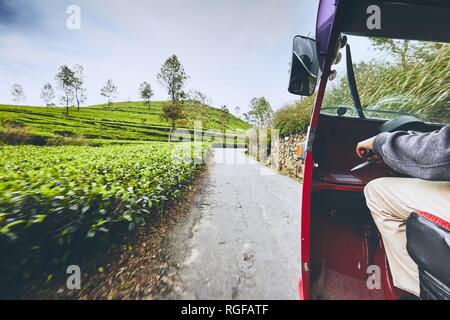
<point x="66" y="81"/>
<point x="146" y="92"/>
<point x="78" y="85"/>
<point x="172" y="114"/>
<point x="18" y="93"/>
<point x="199" y="97"/>
<point x="109" y="91"/>
<point x="199" y="104"/>
<point x="173" y="77"/>
<point x="224" y="117"/>
<point x="47" y="94"/>
<point x="260" y="112"/>
<point x="237" y="111"/>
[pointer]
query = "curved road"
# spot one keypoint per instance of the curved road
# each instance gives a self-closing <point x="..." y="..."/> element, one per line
<point x="240" y="239"/>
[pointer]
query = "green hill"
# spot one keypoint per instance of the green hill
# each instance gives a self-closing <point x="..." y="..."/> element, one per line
<point x="131" y="121"/>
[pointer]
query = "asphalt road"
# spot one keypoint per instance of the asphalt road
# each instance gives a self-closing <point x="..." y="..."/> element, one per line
<point x="240" y="239"/>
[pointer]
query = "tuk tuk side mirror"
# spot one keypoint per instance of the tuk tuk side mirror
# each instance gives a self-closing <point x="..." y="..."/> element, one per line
<point x="304" y="67"/>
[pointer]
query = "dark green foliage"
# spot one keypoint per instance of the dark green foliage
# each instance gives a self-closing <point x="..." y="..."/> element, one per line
<point x="109" y="91"/>
<point x="294" y="118"/>
<point x="146" y="92"/>
<point x="260" y="113"/>
<point x="224" y="117"/>
<point x="66" y="79"/>
<point x="173" y="77"/>
<point x="173" y="113"/>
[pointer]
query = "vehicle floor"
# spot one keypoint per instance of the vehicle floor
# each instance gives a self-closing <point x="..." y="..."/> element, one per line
<point x="333" y="285"/>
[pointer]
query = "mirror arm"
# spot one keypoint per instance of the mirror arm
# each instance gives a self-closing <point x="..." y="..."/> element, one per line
<point x="352" y="83"/>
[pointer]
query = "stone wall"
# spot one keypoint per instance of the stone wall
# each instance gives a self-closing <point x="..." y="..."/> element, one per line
<point x="282" y="156"/>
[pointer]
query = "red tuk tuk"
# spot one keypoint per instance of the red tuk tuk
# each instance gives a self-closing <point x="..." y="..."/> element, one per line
<point x="339" y="241"/>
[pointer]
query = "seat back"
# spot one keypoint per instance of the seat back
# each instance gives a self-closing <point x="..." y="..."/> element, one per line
<point x="428" y="244"/>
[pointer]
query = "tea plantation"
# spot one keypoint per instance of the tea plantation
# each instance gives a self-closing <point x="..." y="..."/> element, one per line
<point x="58" y="201"/>
<point x="131" y="121"/>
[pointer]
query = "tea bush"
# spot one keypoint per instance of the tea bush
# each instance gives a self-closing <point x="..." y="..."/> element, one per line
<point x="54" y="200"/>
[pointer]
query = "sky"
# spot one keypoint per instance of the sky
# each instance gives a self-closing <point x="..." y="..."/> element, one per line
<point x="232" y="50"/>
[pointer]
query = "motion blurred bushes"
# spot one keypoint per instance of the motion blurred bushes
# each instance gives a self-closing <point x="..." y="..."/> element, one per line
<point x="294" y="118"/>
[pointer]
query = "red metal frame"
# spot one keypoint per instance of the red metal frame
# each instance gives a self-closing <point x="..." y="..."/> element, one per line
<point x="312" y="185"/>
<point x="304" y="281"/>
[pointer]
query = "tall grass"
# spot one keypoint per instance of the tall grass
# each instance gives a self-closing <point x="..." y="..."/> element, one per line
<point x="420" y="87"/>
<point x="293" y="118"/>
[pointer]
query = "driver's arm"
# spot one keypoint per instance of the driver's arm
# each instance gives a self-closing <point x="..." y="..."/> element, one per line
<point x="421" y="155"/>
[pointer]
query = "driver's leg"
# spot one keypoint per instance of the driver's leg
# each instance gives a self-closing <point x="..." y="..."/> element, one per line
<point x="391" y="201"/>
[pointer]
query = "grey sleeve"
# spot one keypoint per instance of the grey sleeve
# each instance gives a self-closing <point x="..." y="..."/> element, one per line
<point x="421" y="155"/>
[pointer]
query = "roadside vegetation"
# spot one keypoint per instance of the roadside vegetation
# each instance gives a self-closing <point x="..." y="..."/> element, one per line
<point x="294" y="118"/>
<point x="56" y="202"/>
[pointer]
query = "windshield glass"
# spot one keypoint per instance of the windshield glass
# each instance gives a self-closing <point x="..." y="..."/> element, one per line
<point x="394" y="77"/>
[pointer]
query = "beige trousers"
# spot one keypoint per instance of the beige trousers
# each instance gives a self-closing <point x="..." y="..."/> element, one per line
<point x="391" y="201"/>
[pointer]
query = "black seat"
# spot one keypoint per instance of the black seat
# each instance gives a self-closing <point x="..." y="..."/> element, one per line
<point x="428" y="244"/>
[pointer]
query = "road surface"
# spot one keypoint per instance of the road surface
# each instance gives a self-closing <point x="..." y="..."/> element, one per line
<point x="240" y="239"/>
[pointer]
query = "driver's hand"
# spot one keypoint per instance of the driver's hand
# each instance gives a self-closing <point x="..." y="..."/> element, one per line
<point x="366" y="144"/>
